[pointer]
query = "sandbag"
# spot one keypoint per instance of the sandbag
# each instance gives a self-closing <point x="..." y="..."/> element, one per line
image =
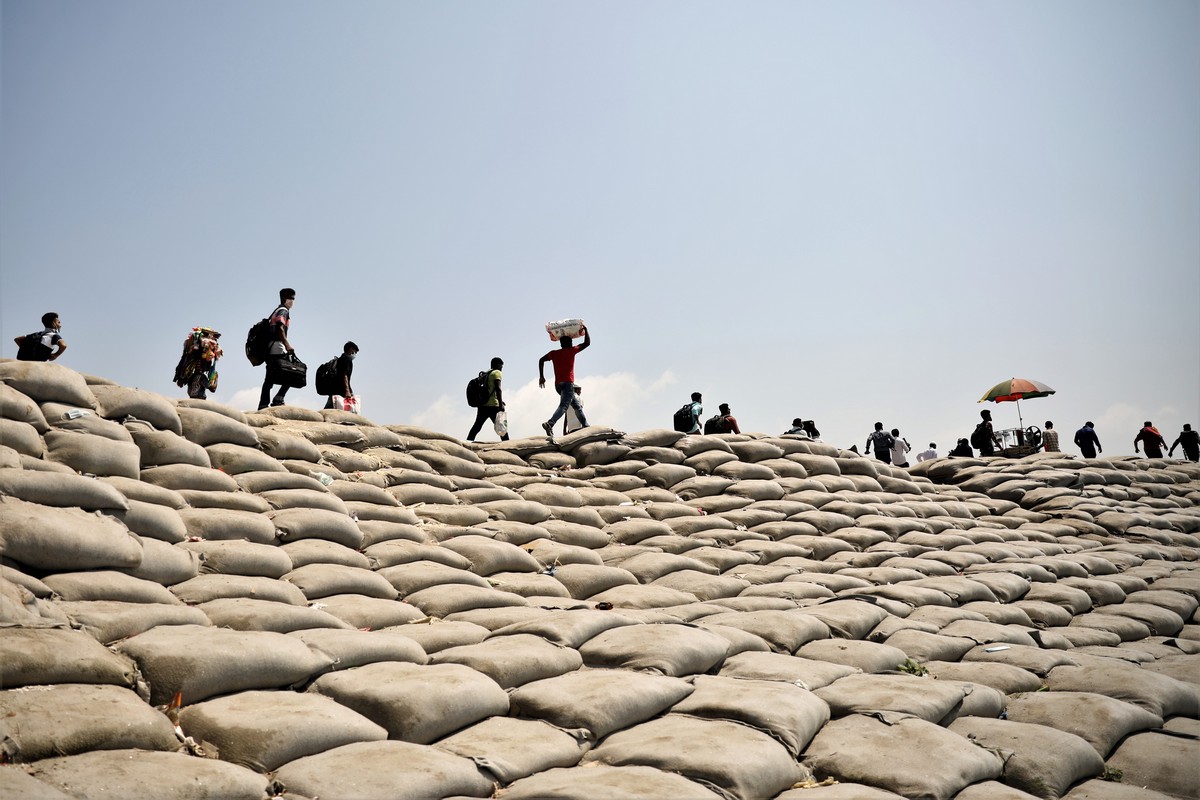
<point x="923" y="698"/>
<point x="599" y="780"/>
<point x="785" y="711"/>
<point x="206" y="427"/>
<point x="187" y="476"/>
<point x="234" y="459"/>
<point x="119" y="402"/>
<point x="244" y="727"/>
<point x="161" y="448"/>
<point x="444" y="600"/>
<point x="416" y="703"/>
<point x="128" y="773"/>
<point x="252" y="614"/>
<point x="803" y="672"/>
<point x="1099" y="720"/>
<point x="513" y="660"/>
<point x="202" y="662"/>
<point x="62" y="490"/>
<point x="41" y="656"/>
<point x="901" y="754"/>
<point x="20" y="407"/>
<point x="110" y="621"/>
<point x="21" y="437"/>
<point x="47" y="382"/>
<point x="323" y="580"/>
<point x="95" y="455"/>
<point x="245" y="558"/>
<point x="152" y="521"/>
<point x="665" y="649"/>
<point x="204" y="588"/>
<point x="313" y="523"/>
<point x="509" y="749"/>
<point x="1044" y="762"/>
<point x="368" y="613"/>
<point x="62" y="539"/>
<point x="395" y="770"/>
<point x="1158" y="694"/>
<point x="108" y="585"/>
<point x="598" y="700"/>
<point x="66" y="719"/>
<point x="221" y="524"/>
<point x="737" y="759"/>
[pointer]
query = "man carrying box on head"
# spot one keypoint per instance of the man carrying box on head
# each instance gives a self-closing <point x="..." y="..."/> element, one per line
<point x="564" y="378"/>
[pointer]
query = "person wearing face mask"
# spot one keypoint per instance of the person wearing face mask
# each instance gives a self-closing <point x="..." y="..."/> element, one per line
<point x="44" y="345"/>
<point x="342" y="370"/>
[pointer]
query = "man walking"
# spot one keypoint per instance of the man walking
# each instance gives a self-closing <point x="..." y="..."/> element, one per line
<point x="493" y="402"/>
<point x="564" y="378"/>
<point x="279" y="349"/>
<point x="724" y="422"/>
<point x="1151" y="439"/>
<point x="1189" y="440"/>
<point x="1087" y="441"/>
<point x="1050" y="438"/>
<point x="880" y="441"/>
<point x="343" y="368"/>
<point x="46" y="345"/>
<point x="687" y="418"/>
<point x="900" y="448"/>
<point x="984" y="437"/>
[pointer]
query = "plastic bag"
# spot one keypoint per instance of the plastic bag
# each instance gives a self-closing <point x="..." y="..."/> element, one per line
<point x="501" y="423"/>
<point x="564" y="327"/>
<point x="353" y="404"/>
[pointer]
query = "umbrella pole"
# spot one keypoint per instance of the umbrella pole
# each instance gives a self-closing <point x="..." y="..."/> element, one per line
<point x="1020" y="421"/>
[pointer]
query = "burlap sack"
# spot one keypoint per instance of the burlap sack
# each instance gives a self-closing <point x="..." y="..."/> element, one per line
<point x="395" y="770"/>
<point x="416" y="703"/>
<point x="204" y="662"/>
<point x="128" y="773"/>
<point x="66" y="719"/>
<point x="63" y="539"/>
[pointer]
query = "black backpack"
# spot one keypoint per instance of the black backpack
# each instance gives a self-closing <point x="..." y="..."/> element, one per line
<point x="477" y="393"/>
<point x="717" y="424"/>
<point x="258" y="342"/>
<point x="979" y="436"/>
<point x="33" y="349"/>
<point x="326" y="382"/>
<point x="683" y="418"/>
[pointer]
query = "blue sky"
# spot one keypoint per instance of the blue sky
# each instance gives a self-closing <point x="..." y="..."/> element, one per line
<point x="846" y="211"/>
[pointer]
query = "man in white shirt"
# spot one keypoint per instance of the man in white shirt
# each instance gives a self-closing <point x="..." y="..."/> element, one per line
<point x="928" y="455"/>
<point x="900" y="448"/>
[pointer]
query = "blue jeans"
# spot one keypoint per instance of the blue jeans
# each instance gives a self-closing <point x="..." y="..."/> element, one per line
<point x="566" y="397"/>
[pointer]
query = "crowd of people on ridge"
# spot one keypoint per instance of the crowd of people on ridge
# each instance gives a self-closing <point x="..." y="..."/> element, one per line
<point x="197" y="370"/>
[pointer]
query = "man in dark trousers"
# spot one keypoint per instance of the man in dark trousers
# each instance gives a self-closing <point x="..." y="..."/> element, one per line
<point x="880" y="441"/>
<point x="1151" y="439"/>
<point x="564" y="378"/>
<point x="279" y="349"/>
<point x="493" y="401"/>
<point x="1087" y="441"/>
<point x="1189" y="440"/>
<point x="47" y="345"/>
<point x="985" y="436"/>
<point x="343" y="368"/>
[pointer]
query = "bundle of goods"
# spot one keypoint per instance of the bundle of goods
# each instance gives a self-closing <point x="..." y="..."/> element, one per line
<point x="197" y="367"/>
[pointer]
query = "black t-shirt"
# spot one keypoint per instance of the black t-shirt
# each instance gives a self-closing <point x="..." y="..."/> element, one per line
<point x="343" y="369"/>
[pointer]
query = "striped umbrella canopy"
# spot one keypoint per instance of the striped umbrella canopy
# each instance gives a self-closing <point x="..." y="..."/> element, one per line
<point x="1016" y="389"/>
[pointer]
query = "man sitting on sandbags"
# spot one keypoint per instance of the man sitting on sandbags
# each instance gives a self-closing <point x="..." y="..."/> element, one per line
<point x="45" y="345"/>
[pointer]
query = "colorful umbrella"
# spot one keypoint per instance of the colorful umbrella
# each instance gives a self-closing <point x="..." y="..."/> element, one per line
<point x="1016" y="389"/>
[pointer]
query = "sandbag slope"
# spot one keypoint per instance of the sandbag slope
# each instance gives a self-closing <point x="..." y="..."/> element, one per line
<point x="289" y="597"/>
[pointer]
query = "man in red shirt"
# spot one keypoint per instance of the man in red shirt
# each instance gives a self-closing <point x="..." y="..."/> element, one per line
<point x="564" y="379"/>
